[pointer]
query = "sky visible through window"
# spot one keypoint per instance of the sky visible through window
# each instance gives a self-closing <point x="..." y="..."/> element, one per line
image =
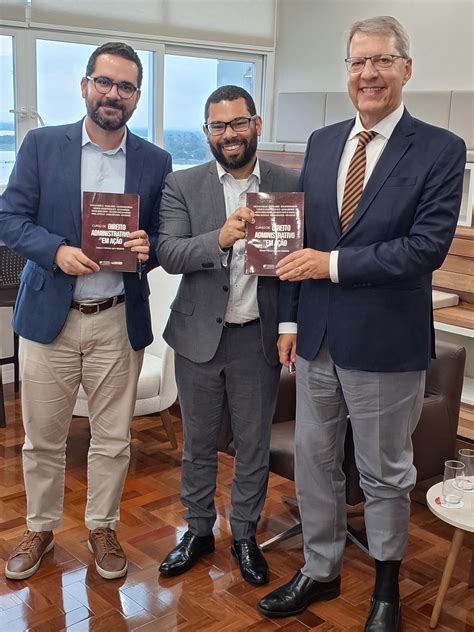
<point x="188" y="83"/>
<point x="7" y="103"/>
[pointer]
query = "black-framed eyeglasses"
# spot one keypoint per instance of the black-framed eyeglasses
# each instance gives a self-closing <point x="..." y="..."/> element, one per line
<point x="104" y="85"/>
<point x="240" y="124"/>
<point x="380" y="62"/>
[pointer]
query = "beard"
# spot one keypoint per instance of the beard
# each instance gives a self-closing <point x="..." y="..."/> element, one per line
<point x="239" y="161"/>
<point x="107" y="123"/>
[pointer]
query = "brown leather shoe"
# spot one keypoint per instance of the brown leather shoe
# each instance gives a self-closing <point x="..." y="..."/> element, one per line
<point x="25" y="559"/>
<point x="110" y="560"/>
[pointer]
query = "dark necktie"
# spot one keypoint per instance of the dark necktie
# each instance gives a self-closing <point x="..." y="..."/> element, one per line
<point x="355" y="180"/>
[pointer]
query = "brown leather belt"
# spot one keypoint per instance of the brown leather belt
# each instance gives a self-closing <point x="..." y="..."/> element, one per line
<point x="239" y="325"/>
<point x="95" y="308"/>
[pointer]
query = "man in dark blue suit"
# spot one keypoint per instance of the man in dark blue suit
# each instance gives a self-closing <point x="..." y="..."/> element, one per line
<point x="382" y="197"/>
<point x="79" y="324"/>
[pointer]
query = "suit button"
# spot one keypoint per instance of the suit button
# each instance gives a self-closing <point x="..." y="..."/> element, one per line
<point x="225" y="288"/>
<point x="218" y="319"/>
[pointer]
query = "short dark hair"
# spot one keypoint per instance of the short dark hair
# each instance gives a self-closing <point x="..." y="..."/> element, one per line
<point x="230" y="93"/>
<point x="120" y="50"/>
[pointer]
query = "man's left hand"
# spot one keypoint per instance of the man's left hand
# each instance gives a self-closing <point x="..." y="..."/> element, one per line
<point x="304" y="264"/>
<point x="139" y="242"/>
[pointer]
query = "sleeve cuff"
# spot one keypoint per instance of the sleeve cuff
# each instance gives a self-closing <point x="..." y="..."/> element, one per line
<point x="224" y="256"/>
<point x="333" y="266"/>
<point x="287" y="328"/>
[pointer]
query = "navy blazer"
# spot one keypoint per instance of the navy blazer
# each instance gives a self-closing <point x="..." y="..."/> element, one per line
<point x="41" y="208"/>
<point x="379" y="316"/>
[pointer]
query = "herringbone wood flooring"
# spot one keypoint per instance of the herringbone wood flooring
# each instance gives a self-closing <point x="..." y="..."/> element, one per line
<point x="66" y="593"/>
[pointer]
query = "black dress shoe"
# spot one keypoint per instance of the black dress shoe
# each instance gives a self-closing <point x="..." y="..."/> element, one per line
<point x="384" y="617"/>
<point x="295" y="596"/>
<point x="187" y="553"/>
<point x="253" y="566"/>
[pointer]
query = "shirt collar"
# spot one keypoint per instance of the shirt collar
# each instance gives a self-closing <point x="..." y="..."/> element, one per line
<point x="86" y="140"/>
<point x="221" y="172"/>
<point x="383" y="128"/>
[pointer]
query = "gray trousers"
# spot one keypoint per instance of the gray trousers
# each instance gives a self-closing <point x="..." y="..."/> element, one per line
<point x="384" y="409"/>
<point x="238" y="377"/>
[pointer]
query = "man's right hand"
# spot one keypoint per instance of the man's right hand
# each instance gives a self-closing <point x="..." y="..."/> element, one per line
<point x="287" y="348"/>
<point x="234" y="228"/>
<point x="73" y="261"/>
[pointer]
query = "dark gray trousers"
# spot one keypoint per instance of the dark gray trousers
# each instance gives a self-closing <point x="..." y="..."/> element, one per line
<point x="238" y="377"/>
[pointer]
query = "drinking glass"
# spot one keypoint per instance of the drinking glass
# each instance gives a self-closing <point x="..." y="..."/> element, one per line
<point x="453" y="483"/>
<point x="466" y="456"/>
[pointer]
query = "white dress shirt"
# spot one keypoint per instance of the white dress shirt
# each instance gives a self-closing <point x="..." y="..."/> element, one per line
<point x="242" y="305"/>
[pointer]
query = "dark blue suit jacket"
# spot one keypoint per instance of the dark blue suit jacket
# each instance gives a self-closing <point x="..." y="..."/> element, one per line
<point x="41" y="208"/>
<point x="379" y="316"/>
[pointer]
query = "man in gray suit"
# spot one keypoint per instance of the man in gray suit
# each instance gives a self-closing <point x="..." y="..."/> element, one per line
<point x="223" y="328"/>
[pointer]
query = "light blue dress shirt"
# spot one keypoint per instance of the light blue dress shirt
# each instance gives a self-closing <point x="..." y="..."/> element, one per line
<point x="104" y="172"/>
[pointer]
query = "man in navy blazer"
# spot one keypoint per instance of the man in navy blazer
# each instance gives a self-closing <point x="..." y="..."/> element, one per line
<point x="79" y="324"/>
<point x="381" y="211"/>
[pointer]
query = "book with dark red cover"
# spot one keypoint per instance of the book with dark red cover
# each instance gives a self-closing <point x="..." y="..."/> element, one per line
<point x="278" y="230"/>
<point x="107" y="219"/>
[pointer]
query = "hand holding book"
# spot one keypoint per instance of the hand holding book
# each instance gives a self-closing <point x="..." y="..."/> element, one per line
<point x="73" y="261"/>
<point x="234" y="228"/>
<point x="304" y="264"/>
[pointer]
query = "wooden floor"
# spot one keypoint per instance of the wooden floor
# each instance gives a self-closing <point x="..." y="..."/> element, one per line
<point x="66" y="593"/>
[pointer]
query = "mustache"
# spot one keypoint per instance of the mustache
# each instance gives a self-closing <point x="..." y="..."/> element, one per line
<point x="232" y="142"/>
<point x="110" y="103"/>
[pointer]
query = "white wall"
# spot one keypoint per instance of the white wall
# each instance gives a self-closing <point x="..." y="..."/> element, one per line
<point x="310" y="44"/>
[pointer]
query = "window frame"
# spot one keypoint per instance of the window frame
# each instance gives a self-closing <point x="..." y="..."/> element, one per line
<point x="25" y="70"/>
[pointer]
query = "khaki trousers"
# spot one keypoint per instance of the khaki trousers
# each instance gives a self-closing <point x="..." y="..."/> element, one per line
<point x="92" y="349"/>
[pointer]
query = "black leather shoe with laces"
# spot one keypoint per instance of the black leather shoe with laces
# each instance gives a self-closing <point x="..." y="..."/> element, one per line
<point x="253" y="566"/>
<point x="187" y="553"/>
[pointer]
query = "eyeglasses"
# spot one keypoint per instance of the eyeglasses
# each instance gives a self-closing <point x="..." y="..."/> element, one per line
<point x="240" y="124"/>
<point x="104" y="85"/>
<point x="380" y="62"/>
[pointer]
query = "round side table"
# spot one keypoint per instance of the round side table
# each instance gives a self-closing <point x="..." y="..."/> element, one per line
<point x="462" y="520"/>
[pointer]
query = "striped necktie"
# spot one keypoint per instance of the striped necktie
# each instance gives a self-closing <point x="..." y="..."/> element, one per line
<point x="355" y="180"/>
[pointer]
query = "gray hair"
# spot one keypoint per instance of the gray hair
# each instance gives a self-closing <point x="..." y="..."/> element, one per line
<point x="384" y="25"/>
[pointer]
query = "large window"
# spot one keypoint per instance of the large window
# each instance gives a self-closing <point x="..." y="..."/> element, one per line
<point x="188" y="82"/>
<point x="59" y="97"/>
<point x="7" y="104"/>
<point x="41" y="72"/>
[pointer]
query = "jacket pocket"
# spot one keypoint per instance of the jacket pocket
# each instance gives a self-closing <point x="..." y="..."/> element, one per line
<point x="34" y="277"/>
<point x="401" y="182"/>
<point x="182" y="306"/>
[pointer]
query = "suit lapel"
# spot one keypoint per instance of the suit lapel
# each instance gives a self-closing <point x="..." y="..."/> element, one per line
<point x="134" y="164"/>
<point x="398" y="144"/>
<point x="216" y="196"/>
<point x="266" y="178"/>
<point x="71" y="148"/>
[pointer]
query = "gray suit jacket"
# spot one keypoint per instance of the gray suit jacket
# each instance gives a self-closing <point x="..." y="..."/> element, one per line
<point x="192" y="213"/>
